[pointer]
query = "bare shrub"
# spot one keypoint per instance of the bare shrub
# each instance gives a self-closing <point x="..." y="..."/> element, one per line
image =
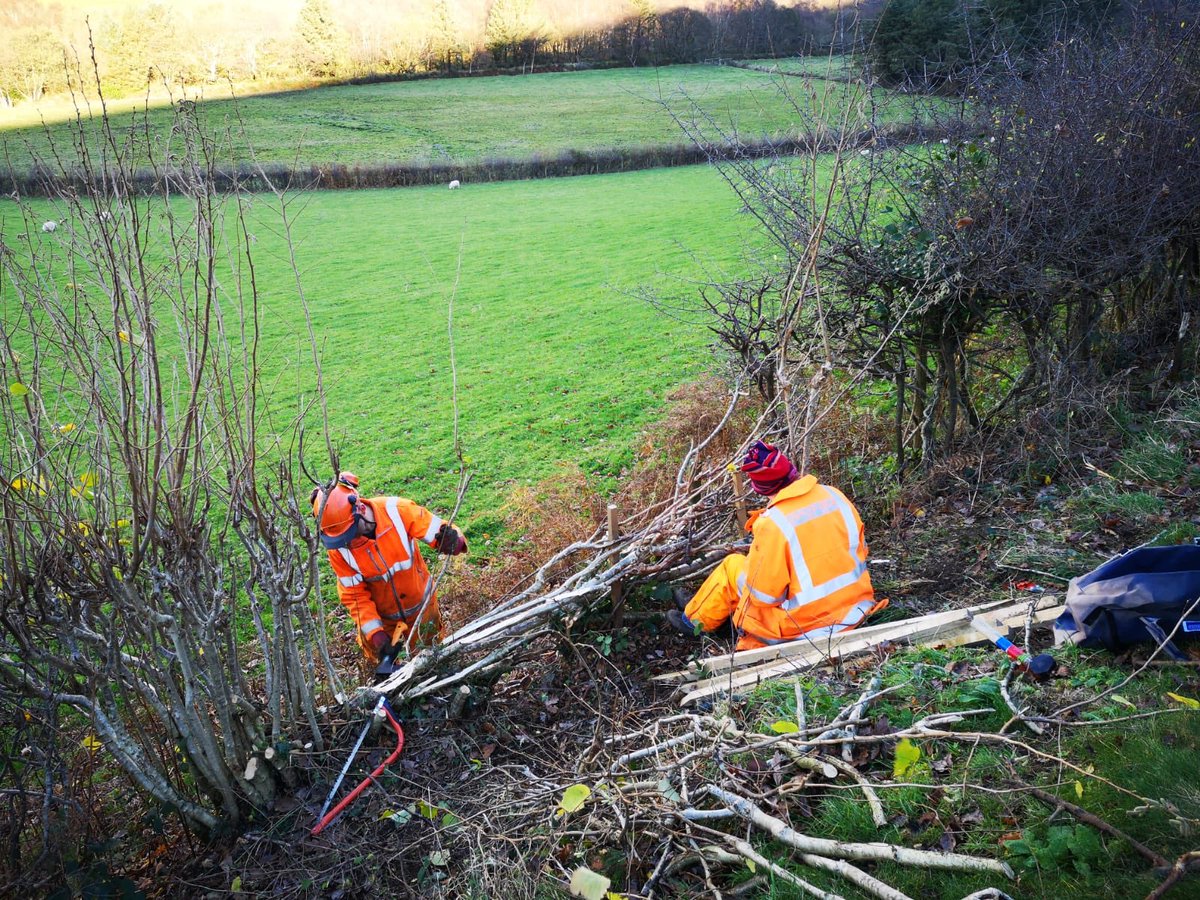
<point x="158" y="570"/>
<point x="1048" y="237"/>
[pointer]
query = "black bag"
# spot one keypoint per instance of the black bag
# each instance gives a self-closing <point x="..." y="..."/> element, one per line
<point x="1137" y="597"/>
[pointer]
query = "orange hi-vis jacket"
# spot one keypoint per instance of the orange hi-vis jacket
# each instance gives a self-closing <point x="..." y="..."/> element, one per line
<point x="381" y="581"/>
<point x="806" y="572"/>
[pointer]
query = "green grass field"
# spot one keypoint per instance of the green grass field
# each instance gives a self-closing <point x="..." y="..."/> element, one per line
<point x="822" y="66"/>
<point x="470" y="119"/>
<point x="556" y="363"/>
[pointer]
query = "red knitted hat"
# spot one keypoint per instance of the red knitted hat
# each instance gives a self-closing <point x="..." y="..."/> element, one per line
<point x="769" y="469"/>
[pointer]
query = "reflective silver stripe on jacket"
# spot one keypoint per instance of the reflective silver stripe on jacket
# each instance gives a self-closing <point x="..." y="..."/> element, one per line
<point x="835" y="502"/>
<point x="434" y="527"/>
<point x="393" y="511"/>
<point x="371" y="625"/>
<point x="391" y="572"/>
<point x="760" y="596"/>
<point x="357" y="577"/>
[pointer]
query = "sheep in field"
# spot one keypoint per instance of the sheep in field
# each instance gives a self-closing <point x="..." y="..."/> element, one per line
<point x="454" y="185"/>
<point x="49" y="226"/>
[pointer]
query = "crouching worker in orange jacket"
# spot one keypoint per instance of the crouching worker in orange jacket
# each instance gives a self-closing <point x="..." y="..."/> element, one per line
<point x="381" y="577"/>
<point x="806" y="573"/>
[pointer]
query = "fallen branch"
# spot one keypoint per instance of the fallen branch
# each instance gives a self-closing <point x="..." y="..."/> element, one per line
<point x="1180" y="868"/>
<point x="879" y="852"/>
<point x="778" y="871"/>
<point x="819" y="763"/>
<point x="1095" y="821"/>
<point x="1018" y="714"/>
<point x="856" y="712"/>
<point x="855" y="876"/>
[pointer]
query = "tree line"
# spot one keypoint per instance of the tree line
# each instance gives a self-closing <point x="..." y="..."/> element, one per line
<point x="940" y="42"/>
<point x="193" y="44"/>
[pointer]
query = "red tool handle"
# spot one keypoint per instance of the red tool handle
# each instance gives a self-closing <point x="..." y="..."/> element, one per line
<point x="349" y="798"/>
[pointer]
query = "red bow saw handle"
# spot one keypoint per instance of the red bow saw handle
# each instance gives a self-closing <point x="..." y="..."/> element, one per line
<point x="353" y="795"/>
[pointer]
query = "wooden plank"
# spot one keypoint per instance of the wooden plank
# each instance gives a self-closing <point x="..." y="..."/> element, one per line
<point x="941" y="635"/>
<point x="887" y="630"/>
<point x="938" y="630"/>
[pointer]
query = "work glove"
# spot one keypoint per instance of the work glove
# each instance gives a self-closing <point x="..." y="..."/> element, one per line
<point x="450" y="540"/>
<point x="380" y="644"/>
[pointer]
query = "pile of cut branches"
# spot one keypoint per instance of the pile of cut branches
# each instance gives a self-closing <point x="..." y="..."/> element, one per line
<point x="686" y="534"/>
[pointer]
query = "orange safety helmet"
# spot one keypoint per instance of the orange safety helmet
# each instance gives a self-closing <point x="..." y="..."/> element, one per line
<point x="339" y="519"/>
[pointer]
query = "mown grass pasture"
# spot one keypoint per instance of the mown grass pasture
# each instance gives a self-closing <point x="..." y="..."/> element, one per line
<point x="558" y="362"/>
<point x="466" y="120"/>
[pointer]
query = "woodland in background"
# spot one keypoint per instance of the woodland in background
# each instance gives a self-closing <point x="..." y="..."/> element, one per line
<point x="218" y="42"/>
<point x="935" y="43"/>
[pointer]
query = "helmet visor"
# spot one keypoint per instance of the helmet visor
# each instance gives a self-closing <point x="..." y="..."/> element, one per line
<point x="343" y="540"/>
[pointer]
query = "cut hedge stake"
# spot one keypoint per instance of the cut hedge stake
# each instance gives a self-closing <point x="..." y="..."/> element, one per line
<point x="739" y="499"/>
<point x="618" y="599"/>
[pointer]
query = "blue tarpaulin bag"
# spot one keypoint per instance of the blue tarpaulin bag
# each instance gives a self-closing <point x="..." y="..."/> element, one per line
<point x="1140" y="596"/>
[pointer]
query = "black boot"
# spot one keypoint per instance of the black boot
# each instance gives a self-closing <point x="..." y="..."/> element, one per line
<point x="682" y="624"/>
<point x="682" y="597"/>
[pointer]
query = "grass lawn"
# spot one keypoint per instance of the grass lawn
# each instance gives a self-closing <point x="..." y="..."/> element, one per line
<point x="556" y="363"/>
<point x="470" y="119"/>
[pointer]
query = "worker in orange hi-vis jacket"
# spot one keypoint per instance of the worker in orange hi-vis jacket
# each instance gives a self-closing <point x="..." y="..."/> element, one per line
<point x="381" y="577"/>
<point x="806" y="572"/>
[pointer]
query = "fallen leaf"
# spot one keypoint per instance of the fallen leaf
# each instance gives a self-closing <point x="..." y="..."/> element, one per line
<point x="429" y="812"/>
<point x="573" y="798"/>
<point x="1185" y="701"/>
<point x="588" y="884"/>
<point x="1079" y="789"/>
<point x="91" y="743"/>
<point x="974" y="817"/>
<point x="398" y="817"/>
<point x="907" y="754"/>
<point x="1117" y="698"/>
<point x="236" y="885"/>
<point x="439" y="858"/>
<point x="784" y="727"/>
